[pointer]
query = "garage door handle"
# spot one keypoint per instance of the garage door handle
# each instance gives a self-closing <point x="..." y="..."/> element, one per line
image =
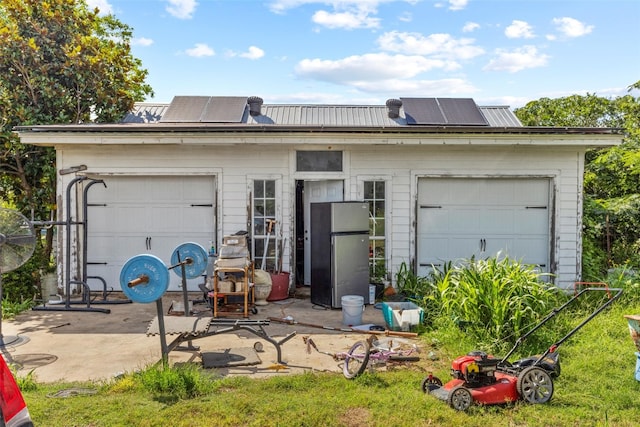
<point x="201" y="206"/>
<point x="483" y="245"/>
<point x="535" y="207"/>
<point x="430" y="265"/>
<point x="430" y="207"/>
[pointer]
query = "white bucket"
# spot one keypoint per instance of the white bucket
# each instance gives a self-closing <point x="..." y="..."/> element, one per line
<point x="352" y="309"/>
<point x="372" y="294"/>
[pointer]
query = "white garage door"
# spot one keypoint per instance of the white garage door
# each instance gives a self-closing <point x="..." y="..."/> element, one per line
<point x="146" y="215"/>
<point x="462" y="217"/>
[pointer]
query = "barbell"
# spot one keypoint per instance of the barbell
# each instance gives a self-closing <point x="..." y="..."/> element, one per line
<point x="145" y="278"/>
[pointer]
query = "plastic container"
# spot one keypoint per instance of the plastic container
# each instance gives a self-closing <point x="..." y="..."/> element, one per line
<point x="352" y="309"/>
<point x="634" y="328"/>
<point x="279" y="287"/>
<point x="402" y="316"/>
<point x="372" y="294"/>
<point x="638" y="366"/>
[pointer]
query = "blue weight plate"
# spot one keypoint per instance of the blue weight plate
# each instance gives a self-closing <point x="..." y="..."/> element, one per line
<point x="144" y="265"/>
<point x="194" y="251"/>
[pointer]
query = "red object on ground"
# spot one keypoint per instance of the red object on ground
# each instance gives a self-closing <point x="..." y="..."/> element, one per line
<point x="502" y="391"/>
<point x="279" y="287"/>
<point x="13" y="408"/>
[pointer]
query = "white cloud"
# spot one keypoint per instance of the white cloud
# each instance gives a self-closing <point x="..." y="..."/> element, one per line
<point x="571" y="27"/>
<point x="457" y="4"/>
<point x="427" y="88"/>
<point x="405" y="17"/>
<point x="345" y="14"/>
<point x="103" y="5"/>
<point x="517" y="59"/>
<point x="519" y="30"/>
<point x="372" y="67"/>
<point x="470" y="26"/>
<point x="142" y="41"/>
<point x="437" y="45"/>
<point x="200" y="50"/>
<point x="253" y="53"/>
<point x="348" y="20"/>
<point x="181" y="9"/>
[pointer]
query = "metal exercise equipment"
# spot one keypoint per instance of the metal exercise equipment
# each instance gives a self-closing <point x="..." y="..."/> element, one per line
<point x="68" y="223"/>
<point x="17" y="243"/>
<point x="145" y="278"/>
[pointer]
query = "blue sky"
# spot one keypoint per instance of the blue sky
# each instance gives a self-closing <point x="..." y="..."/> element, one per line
<point x="498" y="52"/>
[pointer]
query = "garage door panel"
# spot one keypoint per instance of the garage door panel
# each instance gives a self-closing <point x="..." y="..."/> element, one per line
<point x="147" y="215"/>
<point x="197" y="217"/>
<point x="533" y="221"/>
<point x="481" y="217"/>
<point x="462" y="220"/>
<point x="495" y="221"/>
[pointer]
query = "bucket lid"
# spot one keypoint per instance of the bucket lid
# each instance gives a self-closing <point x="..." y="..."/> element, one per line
<point x="352" y="298"/>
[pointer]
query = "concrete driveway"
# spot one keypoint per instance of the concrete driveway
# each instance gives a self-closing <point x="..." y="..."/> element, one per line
<point x="73" y="346"/>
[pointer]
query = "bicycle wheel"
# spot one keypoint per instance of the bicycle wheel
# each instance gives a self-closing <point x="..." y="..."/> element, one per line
<point x="356" y="360"/>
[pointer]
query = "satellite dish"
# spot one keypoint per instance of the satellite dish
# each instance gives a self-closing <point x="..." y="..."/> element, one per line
<point x="17" y="243"/>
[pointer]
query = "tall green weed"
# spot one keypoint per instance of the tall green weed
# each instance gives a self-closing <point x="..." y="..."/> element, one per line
<point x="495" y="300"/>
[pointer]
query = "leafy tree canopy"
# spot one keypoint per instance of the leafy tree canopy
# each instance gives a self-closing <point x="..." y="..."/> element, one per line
<point x="612" y="175"/>
<point x="60" y="62"/>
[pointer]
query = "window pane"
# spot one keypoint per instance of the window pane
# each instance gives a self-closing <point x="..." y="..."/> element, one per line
<point x="258" y="188"/>
<point x="270" y="208"/>
<point x="368" y="190"/>
<point x="270" y="189"/>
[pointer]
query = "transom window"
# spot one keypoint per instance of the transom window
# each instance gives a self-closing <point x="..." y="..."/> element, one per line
<point x="319" y="161"/>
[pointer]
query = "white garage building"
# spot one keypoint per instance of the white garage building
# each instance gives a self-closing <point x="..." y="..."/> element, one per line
<point x="445" y="180"/>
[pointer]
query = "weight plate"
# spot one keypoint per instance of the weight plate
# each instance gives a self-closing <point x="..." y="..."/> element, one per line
<point x="144" y="265"/>
<point x="194" y="251"/>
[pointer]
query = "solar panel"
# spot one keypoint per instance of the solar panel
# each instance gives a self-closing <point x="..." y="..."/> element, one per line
<point x="206" y="109"/>
<point x="461" y="111"/>
<point x="422" y="111"/>
<point x="185" y="109"/>
<point x="224" y="109"/>
<point x="442" y="111"/>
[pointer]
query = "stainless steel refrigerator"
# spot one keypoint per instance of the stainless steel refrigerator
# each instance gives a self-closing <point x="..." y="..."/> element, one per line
<point x="339" y="252"/>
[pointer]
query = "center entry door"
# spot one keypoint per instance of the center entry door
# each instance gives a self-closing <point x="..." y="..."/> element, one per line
<point x="317" y="192"/>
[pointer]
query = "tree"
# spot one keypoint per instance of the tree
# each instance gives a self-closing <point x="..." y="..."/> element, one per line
<point x="612" y="175"/>
<point x="59" y="63"/>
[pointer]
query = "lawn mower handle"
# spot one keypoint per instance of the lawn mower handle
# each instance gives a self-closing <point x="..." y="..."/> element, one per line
<point x="555" y="311"/>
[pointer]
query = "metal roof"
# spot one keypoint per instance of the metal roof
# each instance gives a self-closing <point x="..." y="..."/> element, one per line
<point x="322" y="115"/>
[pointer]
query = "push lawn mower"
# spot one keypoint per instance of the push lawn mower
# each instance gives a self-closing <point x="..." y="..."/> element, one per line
<point x="481" y="378"/>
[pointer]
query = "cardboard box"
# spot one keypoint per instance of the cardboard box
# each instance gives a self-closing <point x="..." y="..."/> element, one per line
<point x="402" y="316"/>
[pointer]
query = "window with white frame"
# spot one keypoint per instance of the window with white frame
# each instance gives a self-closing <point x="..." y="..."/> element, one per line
<point x="264" y="241"/>
<point x="374" y="194"/>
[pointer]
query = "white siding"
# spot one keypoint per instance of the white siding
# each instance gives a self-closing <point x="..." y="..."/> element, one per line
<point x="400" y="165"/>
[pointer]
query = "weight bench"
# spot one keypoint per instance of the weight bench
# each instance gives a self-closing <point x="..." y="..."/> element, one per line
<point x="187" y="329"/>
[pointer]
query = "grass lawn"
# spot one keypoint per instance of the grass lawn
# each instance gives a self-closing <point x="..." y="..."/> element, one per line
<point x="596" y="388"/>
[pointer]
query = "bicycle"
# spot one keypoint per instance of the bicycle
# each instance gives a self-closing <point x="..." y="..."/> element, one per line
<point x="370" y="353"/>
